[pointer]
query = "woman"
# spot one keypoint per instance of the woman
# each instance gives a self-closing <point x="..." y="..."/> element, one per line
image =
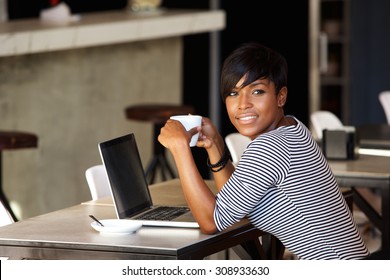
<point x="282" y="183"/>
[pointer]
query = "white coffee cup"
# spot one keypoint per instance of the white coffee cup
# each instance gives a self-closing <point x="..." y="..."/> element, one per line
<point x="190" y="121"/>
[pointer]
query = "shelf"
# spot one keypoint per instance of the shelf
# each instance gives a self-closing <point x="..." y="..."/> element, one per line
<point x="329" y="65"/>
<point x="332" y="81"/>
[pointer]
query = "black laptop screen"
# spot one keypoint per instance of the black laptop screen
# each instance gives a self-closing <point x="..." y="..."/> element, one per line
<point x="126" y="175"/>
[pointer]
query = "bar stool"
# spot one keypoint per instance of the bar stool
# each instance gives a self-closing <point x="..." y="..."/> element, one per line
<point x="10" y="140"/>
<point x="158" y="114"/>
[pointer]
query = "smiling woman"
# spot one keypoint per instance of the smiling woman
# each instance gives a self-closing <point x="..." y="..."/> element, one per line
<point x="248" y="90"/>
<point x="282" y="183"/>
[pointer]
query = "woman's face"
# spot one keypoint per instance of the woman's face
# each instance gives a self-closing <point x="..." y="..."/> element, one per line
<point x="255" y="108"/>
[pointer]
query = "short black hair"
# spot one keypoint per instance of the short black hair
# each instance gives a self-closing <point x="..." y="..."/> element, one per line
<point x="256" y="61"/>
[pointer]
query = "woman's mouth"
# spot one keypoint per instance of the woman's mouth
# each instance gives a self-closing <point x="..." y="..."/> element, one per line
<point x="246" y="118"/>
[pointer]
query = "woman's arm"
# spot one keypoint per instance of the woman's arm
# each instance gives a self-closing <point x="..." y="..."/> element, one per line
<point x="199" y="197"/>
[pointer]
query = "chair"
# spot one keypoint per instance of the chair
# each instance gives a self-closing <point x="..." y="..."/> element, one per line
<point x="236" y="144"/>
<point x="384" y="98"/>
<point x="321" y="120"/>
<point x="97" y="181"/>
<point x="5" y="216"/>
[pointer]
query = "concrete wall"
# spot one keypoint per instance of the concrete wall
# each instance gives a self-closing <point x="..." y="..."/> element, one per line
<point x="72" y="100"/>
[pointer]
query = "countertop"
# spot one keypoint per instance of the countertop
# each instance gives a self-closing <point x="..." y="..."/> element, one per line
<point x="28" y="36"/>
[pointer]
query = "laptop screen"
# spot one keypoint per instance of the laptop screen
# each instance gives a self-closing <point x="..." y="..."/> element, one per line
<point x="126" y="175"/>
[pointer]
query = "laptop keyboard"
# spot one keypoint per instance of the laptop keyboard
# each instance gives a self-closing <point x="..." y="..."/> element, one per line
<point x="163" y="213"/>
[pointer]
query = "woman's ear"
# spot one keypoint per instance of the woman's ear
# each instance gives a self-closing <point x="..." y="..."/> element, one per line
<point x="282" y="96"/>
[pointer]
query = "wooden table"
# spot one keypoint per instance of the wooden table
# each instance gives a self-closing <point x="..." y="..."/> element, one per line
<point x="368" y="172"/>
<point x="67" y="234"/>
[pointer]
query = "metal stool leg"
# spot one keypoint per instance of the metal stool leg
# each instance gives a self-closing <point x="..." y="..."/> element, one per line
<point x="159" y="160"/>
<point x="166" y="168"/>
<point x="151" y="170"/>
<point x="3" y="198"/>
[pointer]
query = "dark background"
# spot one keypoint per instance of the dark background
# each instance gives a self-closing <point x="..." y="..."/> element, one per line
<point x="369" y="60"/>
<point x="268" y="22"/>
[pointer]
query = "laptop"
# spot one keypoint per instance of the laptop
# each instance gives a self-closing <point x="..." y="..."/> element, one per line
<point x="129" y="188"/>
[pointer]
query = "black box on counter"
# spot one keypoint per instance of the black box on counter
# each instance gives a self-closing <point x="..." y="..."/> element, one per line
<point x="340" y="143"/>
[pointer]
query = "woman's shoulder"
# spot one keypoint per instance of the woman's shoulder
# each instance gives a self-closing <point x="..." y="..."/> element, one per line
<point x="297" y="126"/>
<point x="273" y="142"/>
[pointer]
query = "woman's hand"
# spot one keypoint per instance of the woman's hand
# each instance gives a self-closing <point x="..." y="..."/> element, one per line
<point x="208" y="135"/>
<point x="174" y="135"/>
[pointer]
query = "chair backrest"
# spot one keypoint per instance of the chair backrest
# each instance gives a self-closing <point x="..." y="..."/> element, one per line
<point x="236" y="144"/>
<point x="98" y="181"/>
<point x="321" y="120"/>
<point x="5" y="216"/>
<point x="384" y="98"/>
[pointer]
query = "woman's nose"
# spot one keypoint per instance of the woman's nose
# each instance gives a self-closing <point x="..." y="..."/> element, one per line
<point x="243" y="101"/>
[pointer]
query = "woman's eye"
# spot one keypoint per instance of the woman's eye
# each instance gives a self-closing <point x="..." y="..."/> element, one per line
<point x="233" y="93"/>
<point x="258" y="91"/>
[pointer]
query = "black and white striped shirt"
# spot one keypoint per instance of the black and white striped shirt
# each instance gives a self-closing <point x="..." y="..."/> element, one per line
<point x="283" y="184"/>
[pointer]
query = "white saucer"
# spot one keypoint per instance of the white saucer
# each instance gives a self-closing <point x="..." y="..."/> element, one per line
<point x="117" y="226"/>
